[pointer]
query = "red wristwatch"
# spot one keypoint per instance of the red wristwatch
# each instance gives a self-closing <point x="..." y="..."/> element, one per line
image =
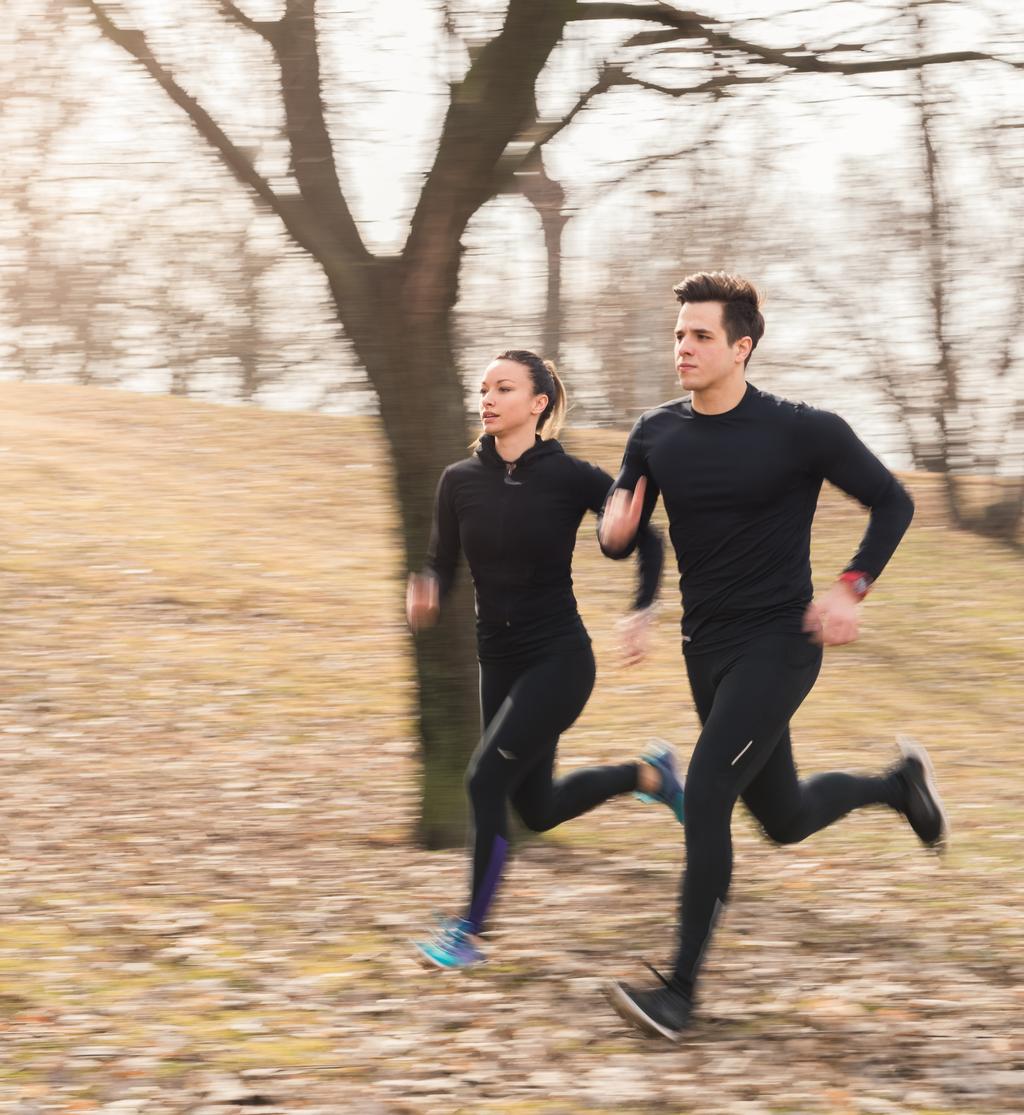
<point x="859" y="582"/>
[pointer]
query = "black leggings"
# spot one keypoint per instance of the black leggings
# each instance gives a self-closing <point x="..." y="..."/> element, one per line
<point x="525" y="708"/>
<point x="745" y="698"/>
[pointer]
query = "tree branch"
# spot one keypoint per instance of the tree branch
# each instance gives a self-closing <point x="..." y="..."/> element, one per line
<point x="636" y="167"/>
<point x="296" y="49"/>
<point x="134" y="43"/>
<point x="488" y="109"/>
<point x="525" y="149"/>
<point x="645" y="13"/>
<point x="264" y="28"/>
<point x="716" y="85"/>
<point x="335" y="251"/>
<point x="692" y="25"/>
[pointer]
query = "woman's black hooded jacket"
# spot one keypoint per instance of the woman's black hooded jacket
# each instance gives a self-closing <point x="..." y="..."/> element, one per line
<point x="517" y="523"/>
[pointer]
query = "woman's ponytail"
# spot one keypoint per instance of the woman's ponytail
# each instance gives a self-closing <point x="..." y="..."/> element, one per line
<point x="551" y="420"/>
<point x="546" y="381"/>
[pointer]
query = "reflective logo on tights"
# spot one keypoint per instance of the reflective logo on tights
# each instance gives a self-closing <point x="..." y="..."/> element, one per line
<point x="742" y="753"/>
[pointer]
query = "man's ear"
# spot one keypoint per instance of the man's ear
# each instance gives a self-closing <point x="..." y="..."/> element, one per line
<point x="744" y="347"/>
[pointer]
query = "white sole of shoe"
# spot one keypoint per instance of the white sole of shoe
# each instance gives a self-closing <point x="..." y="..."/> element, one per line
<point x="426" y="961"/>
<point x="627" y="1010"/>
<point x="911" y="749"/>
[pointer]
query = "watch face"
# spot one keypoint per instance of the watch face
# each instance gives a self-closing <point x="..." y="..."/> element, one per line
<point x="860" y="584"/>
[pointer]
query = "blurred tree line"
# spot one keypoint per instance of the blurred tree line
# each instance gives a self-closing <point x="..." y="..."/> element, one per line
<point x="579" y="157"/>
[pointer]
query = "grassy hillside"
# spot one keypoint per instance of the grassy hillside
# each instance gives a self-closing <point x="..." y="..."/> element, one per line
<point x="208" y="770"/>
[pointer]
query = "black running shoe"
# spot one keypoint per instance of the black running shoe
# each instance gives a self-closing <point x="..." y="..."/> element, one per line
<point x="663" y="1012"/>
<point x="922" y="805"/>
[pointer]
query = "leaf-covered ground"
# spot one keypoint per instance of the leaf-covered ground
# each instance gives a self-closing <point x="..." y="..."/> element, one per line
<point x="208" y="779"/>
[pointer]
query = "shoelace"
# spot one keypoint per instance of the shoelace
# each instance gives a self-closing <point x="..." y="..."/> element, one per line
<point x="447" y="926"/>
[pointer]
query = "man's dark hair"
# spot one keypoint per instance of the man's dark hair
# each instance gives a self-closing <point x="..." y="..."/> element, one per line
<point x="741" y="304"/>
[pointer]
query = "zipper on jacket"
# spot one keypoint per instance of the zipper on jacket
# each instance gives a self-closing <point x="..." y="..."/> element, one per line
<point x="510" y="467"/>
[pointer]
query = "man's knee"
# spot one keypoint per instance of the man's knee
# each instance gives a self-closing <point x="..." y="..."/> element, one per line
<point x="707" y="800"/>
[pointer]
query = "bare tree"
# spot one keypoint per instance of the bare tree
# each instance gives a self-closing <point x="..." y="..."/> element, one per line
<point x="962" y="446"/>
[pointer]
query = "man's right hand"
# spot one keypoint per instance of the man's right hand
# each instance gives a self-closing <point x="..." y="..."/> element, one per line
<point x="422" y="601"/>
<point x="621" y="518"/>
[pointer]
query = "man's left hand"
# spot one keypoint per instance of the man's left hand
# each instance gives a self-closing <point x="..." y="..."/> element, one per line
<point x="835" y="618"/>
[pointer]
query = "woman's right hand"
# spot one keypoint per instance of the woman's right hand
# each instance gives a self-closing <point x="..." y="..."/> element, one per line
<point x="422" y="601"/>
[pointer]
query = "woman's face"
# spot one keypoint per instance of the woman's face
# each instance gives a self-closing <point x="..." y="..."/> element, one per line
<point x="507" y="401"/>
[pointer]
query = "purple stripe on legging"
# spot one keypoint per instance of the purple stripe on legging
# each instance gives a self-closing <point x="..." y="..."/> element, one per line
<point x="485" y="895"/>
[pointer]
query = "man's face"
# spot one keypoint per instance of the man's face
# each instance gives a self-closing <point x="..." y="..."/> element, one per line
<point x="704" y="357"/>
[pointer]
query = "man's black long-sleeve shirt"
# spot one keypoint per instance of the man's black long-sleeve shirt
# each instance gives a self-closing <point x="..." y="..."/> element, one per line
<point x="740" y="491"/>
<point x="517" y="525"/>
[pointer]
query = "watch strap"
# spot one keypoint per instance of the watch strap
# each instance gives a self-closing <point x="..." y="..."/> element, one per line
<point x="860" y="582"/>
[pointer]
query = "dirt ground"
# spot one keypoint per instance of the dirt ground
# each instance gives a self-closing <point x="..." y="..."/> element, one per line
<point x="208" y="780"/>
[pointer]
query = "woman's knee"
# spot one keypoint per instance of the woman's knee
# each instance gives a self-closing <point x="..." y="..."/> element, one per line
<point x="535" y="820"/>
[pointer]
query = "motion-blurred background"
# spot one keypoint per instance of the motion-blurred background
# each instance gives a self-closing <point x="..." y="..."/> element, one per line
<point x="223" y="756"/>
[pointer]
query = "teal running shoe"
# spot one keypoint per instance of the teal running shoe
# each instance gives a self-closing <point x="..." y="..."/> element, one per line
<point x="662" y="757"/>
<point x="450" y="948"/>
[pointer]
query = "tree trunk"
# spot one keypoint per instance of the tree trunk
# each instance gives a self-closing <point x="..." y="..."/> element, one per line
<point x="955" y="451"/>
<point x="411" y="364"/>
<point x="547" y="196"/>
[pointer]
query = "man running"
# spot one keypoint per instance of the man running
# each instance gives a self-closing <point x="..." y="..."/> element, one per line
<point x="740" y="472"/>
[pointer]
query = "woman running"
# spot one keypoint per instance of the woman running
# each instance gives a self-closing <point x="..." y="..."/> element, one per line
<point x="514" y="508"/>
